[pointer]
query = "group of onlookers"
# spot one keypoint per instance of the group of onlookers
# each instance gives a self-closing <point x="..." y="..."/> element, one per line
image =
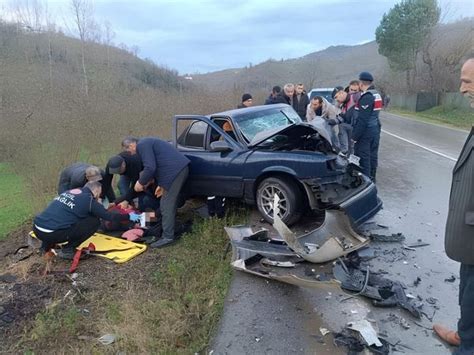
<point x="351" y="119"/>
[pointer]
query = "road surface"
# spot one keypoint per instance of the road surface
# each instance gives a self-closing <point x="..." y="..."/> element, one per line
<point x="416" y="160"/>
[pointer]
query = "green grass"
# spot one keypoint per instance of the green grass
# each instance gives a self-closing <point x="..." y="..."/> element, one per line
<point x="448" y="116"/>
<point x="14" y="205"/>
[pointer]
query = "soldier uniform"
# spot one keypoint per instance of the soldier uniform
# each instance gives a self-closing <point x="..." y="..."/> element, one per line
<point x="366" y="132"/>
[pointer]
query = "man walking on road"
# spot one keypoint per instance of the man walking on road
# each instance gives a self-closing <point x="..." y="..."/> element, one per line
<point x="459" y="236"/>
<point x="366" y="132"/>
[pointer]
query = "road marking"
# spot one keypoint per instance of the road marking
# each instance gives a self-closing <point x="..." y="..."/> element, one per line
<point x="421" y="146"/>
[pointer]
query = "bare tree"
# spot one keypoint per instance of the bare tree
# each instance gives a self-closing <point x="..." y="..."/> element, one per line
<point x="135" y="49"/>
<point x="83" y="20"/>
<point x="109" y="36"/>
<point x="30" y="14"/>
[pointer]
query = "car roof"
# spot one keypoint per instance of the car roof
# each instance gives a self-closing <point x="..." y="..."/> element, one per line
<point x="322" y="89"/>
<point x="242" y="112"/>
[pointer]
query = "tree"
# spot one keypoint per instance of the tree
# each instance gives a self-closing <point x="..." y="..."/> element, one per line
<point x="402" y="32"/>
<point x="83" y="20"/>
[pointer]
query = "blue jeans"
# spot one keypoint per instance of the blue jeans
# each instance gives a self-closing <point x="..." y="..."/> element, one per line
<point x="345" y="138"/>
<point x="124" y="184"/>
<point x="466" y="301"/>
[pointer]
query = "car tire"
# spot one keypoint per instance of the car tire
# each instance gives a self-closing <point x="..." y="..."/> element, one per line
<point x="290" y="196"/>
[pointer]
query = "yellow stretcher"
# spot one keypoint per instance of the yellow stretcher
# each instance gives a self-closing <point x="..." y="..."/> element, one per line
<point x="116" y="249"/>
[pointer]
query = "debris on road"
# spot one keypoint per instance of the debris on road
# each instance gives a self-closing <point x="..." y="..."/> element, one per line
<point x="419" y="244"/>
<point x="333" y="239"/>
<point x="417" y="281"/>
<point x="450" y="279"/>
<point x="367" y="332"/>
<point x="324" y="331"/>
<point x="383" y="291"/>
<point x="384" y="238"/>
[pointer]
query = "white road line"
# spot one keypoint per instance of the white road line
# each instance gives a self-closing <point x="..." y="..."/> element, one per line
<point x="420" y="146"/>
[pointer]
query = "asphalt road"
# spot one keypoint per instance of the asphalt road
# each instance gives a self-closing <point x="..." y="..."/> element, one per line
<point x="416" y="160"/>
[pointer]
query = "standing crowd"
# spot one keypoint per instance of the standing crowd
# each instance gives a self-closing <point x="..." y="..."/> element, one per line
<point x="352" y="118"/>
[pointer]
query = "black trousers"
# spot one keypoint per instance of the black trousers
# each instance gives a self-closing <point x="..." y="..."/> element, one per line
<point x="73" y="235"/>
<point x="367" y="149"/>
<point x="466" y="301"/>
<point x="216" y="206"/>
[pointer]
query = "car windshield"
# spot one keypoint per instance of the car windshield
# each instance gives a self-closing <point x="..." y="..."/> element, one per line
<point x="254" y="123"/>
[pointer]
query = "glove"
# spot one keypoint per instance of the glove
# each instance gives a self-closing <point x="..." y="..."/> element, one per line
<point x="332" y="122"/>
<point x="134" y="217"/>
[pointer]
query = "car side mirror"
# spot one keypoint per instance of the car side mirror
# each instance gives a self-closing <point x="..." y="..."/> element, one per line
<point x="220" y="146"/>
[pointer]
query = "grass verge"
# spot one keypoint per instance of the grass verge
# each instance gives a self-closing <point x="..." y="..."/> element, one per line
<point x="164" y="301"/>
<point x="448" y="116"/>
<point x="14" y="206"/>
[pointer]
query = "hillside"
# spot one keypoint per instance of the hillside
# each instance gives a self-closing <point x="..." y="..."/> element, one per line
<point x="332" y="66"/>
<point x="337" y="65"/>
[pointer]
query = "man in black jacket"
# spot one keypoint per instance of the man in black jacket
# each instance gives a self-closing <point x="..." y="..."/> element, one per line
<point x="78" y="174"/>
<point x="459" y="235"/>
<point x="275" y="92"/>
<point x="73" y="217"/>
<point x="169" y="169"/>
<point x="126" y="165"/>
<point x="301" y="101"/>
<point x="287" y="96"/>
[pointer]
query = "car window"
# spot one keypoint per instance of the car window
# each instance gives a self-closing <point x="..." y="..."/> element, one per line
<point x="194" y="137"/>
<point x="226" y="126"/>
<point x="323" y="93"/>
<point x="257" y="122"/>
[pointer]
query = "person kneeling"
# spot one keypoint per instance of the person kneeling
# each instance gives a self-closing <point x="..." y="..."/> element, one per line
<point x="73" y="217"/>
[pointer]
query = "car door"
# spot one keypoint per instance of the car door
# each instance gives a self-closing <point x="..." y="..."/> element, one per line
<point x="212" y="173"/>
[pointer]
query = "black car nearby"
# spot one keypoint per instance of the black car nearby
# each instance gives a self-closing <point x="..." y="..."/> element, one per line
<point x="257" y="152"/>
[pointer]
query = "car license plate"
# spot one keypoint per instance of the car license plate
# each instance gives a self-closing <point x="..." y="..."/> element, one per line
<point x="354" y="159"/>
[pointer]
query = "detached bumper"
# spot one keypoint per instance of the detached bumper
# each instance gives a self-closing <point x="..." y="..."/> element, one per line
<point x="364" y="205"/>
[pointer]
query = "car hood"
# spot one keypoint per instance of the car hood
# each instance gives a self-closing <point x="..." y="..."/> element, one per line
<point x="317" y="126"/>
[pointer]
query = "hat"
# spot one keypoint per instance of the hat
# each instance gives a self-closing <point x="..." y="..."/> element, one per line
<point x="93" y="173"/>
<point x="366" y="76"/>
<point x="115" y="164"/>
<point x="336" y="90"/>
<point x="246" y="97"/>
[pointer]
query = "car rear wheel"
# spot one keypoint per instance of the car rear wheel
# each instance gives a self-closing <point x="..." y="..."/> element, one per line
<point x="291" y="199"/>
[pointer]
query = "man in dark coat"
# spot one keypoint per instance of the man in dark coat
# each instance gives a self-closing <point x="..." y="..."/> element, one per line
<point x="73" y="217"/>
<point x="78" y="174"/>
<point x="459" y="235"/>
<point x="126" y="165"/>
<point x="169" y="170"/>
<point x="301" y="101"/>
<point x="275" y="92"/>
<point x="247" y="101"/>
<point x="287" y="96"/>
<point x="367" y="127"/>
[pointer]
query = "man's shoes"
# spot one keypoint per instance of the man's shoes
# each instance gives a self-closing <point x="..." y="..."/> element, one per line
<point x="163" y="242"/>
<point x="66" y="253"/>
<point x="447" y="335"/>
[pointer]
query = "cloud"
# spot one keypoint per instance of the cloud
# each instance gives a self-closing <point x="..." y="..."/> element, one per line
<point x="207" y="35"/>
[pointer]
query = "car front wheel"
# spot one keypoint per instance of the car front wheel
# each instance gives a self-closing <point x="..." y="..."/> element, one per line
<point x="291" y="199"/>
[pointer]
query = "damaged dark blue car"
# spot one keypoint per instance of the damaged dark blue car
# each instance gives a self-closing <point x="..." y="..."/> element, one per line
<point x="258" y="152"/>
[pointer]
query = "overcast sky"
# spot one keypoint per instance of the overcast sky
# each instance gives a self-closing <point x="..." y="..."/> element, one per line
<point x="208" y="35"/>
